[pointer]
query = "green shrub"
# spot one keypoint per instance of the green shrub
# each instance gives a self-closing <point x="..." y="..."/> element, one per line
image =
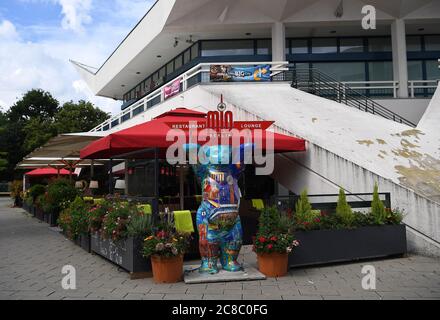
<point x="303" y="208"/>
<point x="140" y="225"/>
<point x="74" y="220"/>
<point x="116" y="220"/>
<point x="394" y="216"/>
<point x="343" y="210"/>
<point x="60" y="193"/>
<point x="378" y="211"/>
<point x="36" y="191"/>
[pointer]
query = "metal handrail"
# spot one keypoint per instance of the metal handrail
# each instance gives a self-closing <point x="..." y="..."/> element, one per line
<point x="316" y="82"/>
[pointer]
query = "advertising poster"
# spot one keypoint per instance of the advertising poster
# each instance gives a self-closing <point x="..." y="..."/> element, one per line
<point x="172" y="89"/>
<point x="228" y="73"/>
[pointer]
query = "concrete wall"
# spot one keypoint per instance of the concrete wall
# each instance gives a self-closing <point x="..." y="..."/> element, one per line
<point x="410" y="109"/>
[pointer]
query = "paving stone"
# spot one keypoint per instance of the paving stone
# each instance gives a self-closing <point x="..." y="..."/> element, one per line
<point x="33" y="255"/>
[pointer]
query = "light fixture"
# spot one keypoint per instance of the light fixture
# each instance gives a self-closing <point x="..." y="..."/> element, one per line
<point x="421" y="29"/>
<point x="122" y="85"/>
<point x="120" y="185"/>
<point x="79" y="185"/>
<point x="159" y="56"/>
<point x="138" y="72"/>
<point x="94" y="184"/>
<point x="248" y="33"/>
<point x="333" y="31"/>
<point x="190" y="40"/>
<point x="176" y="42"/>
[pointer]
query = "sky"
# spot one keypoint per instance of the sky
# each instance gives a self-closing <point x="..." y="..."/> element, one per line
<point x="38" y="37"/>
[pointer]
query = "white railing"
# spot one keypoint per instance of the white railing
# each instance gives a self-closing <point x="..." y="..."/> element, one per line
<point x="393" y="86"/>
<point x="421" y="84"/>
<point x="187" y="81"/>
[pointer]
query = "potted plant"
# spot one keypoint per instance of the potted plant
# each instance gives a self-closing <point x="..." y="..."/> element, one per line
<point x="273" y="243"/>
<point x="166" y="248"/>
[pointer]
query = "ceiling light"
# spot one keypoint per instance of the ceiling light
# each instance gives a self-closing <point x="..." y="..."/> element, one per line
<point x="138" y="72"/>
<point x="190" y="40"/>
<point x="248" y="33"/>
<point x="159" y="56"/>
<point x="421" y="29"/>
<point x="176" y="42"/>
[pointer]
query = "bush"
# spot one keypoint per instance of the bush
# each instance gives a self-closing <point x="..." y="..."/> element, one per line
<point x="36" y="191"/>
<point x="97" y="214"/>
<point x="17" y="192"/>
<point x="140" y="226"/>
<point x="60" y="193"/>
<point x="378" y="212"/>
<point x="74" y="220"/>
<point x="165" y="241"/>
<point x="117" y="218"/>
<point x="343" y="210"/>
<point x="273" y="234"/>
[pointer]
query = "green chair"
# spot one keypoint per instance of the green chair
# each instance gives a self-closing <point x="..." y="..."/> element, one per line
<point x="258" y="204"/>
<point x="183" y="221"/>
<point x="145" y="208"/>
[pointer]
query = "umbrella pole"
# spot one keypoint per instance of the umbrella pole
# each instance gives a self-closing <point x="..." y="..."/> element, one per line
<point x="182" y="187"/>
<point x="110" y="184"/>
<point x="156" y="183"/>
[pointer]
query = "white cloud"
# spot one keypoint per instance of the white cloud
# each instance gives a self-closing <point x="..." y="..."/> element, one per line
<point x="76" y="14"/>
<point x="8" y="30"/>
<point x="44" y="63"/>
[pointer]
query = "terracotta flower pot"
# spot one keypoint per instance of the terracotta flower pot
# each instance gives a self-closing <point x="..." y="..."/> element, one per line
<point x="167" y="270"/>
<point x="273" y="264"/>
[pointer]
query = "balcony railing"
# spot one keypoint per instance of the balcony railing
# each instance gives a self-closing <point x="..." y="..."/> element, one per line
<point x="197" y="74"/>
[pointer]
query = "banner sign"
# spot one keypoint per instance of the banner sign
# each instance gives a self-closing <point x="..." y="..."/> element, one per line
<point x="228" y="73"/>
<point x="172" y="89"/>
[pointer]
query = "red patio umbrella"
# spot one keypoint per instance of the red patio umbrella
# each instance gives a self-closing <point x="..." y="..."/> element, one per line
<point x="152" y="134"/>
<point x="48" y="172"/>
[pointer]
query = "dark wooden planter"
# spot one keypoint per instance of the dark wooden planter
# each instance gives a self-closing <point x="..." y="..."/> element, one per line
<point x="84" y="241"/>
<point x="330" y="246"/>
<point x="39" y="214"/>
<point x="126" y="253"/>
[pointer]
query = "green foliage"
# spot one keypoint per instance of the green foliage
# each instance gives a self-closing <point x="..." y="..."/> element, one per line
<point x="97" y="214"/>
<point x="60" y="193"/>
<point x="140" y="225"/>
<point x="343" y="210"/>
<point x="78" y="117"/>
<point x="378" y="211"/>
<point x="394" y="216"/>
<point x="35" y="103"/>
<point x="17" y="189"/>
<point x="303" y="208"/>
<point x="273" y="233"/>
<point x="37" y="132"/>
<point x="115" y="221"/>
<point x="74" y="220"/>
<point x="36" y="191"/>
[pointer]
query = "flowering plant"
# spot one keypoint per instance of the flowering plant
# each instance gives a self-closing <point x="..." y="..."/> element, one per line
<point x="273" y="234"/>
<point x="165" y="244"/>
<point x="116" y="219"/>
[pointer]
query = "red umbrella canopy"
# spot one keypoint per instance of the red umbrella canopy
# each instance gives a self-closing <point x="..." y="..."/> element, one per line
<point x="48" y="172"/>
<point x="152" y="134"/>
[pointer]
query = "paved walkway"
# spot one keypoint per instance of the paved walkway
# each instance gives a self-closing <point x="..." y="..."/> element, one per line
<point x="32" y="256"/>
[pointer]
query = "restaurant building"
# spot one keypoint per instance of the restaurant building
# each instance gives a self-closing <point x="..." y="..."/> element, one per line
<point x="364" y="99"/>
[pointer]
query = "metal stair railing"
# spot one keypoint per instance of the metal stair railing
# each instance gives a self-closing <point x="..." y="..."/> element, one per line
<point x="318" y="83"/>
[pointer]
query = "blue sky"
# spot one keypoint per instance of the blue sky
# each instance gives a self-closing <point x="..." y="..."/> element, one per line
<point x="38" y="37"/>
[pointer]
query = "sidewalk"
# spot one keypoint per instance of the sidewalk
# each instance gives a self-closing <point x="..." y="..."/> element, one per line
<point x="32" y="256"/>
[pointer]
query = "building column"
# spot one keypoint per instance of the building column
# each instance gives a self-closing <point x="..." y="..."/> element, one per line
<point x="400" y="62"/>
<point x="278" y="41"/>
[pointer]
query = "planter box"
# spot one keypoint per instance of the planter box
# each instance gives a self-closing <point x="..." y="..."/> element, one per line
<point x="125" y="253"/>
<point x="39" y="214"/>
<point x="329" y="246"/>
<point x="83" y="241"/>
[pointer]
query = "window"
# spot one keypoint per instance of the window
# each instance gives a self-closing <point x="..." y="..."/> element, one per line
<point x="413" y="44"/>
<point x="299" y="46"/>
<point x="343" y="71"/>
<point x="381" y="70"/>
<point x="187" y="56"/>
<point x="178" y="62"/>
<point x="227" y="48"/>
<point x="432" y="70"/>
<point x="415" y="70"/>
<point x="324" y="45"/>
<point x="170" y="67"/>
<point x="432" y="43"/>
<point x="195" y="51"/>
<point x="264" y="47"/>
<point x="348" y="45"/>
<point x="379" y="44"/>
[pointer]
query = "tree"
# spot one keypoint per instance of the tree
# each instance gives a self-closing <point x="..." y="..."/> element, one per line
<point x="79" y="117"/>
<point x="343" y="210"/>
<point x="37" y="132"/>
<point x="35" y="103"/>
<point x="378" y="211"/>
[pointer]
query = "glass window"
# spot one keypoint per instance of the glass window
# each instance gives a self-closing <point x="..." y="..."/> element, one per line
<point x="348" y="45"/>
<point x="264" y="47"/>
<point x="195" y="51"/>
<point x="379" y="44"/>
<point x="324" y="45"/>
<point x="343" y="71"/>
<point x="178" y="62"/>
<point x="170" y="67"/>
<point x="162" y="72"/>
<point x="187" y="56"/>
<point x="415" y="70"/>
<point x="381" y="70"/>
<point x="432" y="70"/>
<point x="299" y="46"/>
<point x="413" y="43"/>
<point x="227" y="48"/>
<point x="148" y="85"/>
<point x="432" y="43"/>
